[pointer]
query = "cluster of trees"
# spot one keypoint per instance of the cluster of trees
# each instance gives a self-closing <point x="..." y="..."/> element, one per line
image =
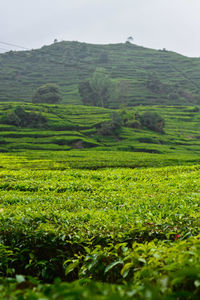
<point x="19" y="117"/>
<point x="100" y="90"/>
<point x="150" y="120"/>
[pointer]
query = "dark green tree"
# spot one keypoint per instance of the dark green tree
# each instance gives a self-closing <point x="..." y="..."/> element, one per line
<point x="86" y="93"/>
<point x="111" y="127"/>
<point x="103" y="87"/>
<point x="100" y="90"/>
<point x="152" y="121"/>
<point x="129" y="39"/>
<point x="47" y="93"/>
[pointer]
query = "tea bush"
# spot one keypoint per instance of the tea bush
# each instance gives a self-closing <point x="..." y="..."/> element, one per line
<point x="135" y="229"/>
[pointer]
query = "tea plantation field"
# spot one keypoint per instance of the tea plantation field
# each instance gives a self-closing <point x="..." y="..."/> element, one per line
<point x="74" y="225"/>
<point x="71" y="127"/>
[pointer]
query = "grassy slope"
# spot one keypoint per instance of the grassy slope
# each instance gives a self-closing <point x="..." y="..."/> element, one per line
<point x="76" y="127"/>
<point x="132" y="230"/>
<point x="66" y="63"/>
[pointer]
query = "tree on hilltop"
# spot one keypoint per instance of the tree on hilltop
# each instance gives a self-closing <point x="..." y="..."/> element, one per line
<point x="129" y="39"/>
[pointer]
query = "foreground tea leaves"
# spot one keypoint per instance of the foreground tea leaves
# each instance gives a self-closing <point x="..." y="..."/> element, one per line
<point x="110" y="233"/>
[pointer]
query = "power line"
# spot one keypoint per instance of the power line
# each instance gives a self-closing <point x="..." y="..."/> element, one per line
<point x="4" y="49"/>
<point x="14" y="45"/>
<point x="22" y="47"/>
<point x="9" y="44"/>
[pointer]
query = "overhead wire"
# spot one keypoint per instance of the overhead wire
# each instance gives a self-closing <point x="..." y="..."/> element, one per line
<point x="57" y="56"/>
<point x="53" y="59"/>
<point x="4" y="49"/>
<point x="14" y="45"/>
<point x="22" y="47"/>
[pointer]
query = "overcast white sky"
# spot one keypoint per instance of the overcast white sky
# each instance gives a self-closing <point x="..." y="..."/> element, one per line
<point x="170" y="24"/>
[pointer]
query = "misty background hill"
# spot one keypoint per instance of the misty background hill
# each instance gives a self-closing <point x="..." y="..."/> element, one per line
<point x="146" y="76"/>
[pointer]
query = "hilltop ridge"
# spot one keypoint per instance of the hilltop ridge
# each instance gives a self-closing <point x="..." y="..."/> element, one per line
<point x="151" y="76"/>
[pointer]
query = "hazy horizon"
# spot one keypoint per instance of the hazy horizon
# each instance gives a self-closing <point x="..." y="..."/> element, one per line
<point x="156" y="24"/>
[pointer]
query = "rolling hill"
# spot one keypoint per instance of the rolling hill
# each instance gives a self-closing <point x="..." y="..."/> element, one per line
<point x="150" y="77"/>
<point x="87" y="213"/>
<point x="77" y="127"/>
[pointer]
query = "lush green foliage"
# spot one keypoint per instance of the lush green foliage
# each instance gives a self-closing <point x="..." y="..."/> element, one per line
<point x="135" y="227"/>
<point x="26" y="289"/>
<point x="69" y="126"/>
<point x="153" y="121"/>
<point x="47" y="93"/>
<point x="100" y="90"/>
<point x="110" y="224"/>
<point x="111" y="127"/>
<point x="147" y="76"/>
<point x="20" y="118"/>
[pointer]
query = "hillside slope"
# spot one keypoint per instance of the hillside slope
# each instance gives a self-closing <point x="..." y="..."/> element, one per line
<point x="152" y="76"/>
<point x="77" y="127"/>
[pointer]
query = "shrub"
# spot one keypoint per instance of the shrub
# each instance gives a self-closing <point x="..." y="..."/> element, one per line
<point x="152" y="121"/>
<point x="195" y="109"/>
<point x="19" y="117"/>
<point x="47" y="93"/>
<point x="106" y="129"/>
<point x="133" y="124"/>
<point x="110" y="127"/>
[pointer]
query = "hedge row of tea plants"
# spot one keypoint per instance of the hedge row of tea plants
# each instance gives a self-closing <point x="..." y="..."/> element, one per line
<point x="137" y="230"/>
